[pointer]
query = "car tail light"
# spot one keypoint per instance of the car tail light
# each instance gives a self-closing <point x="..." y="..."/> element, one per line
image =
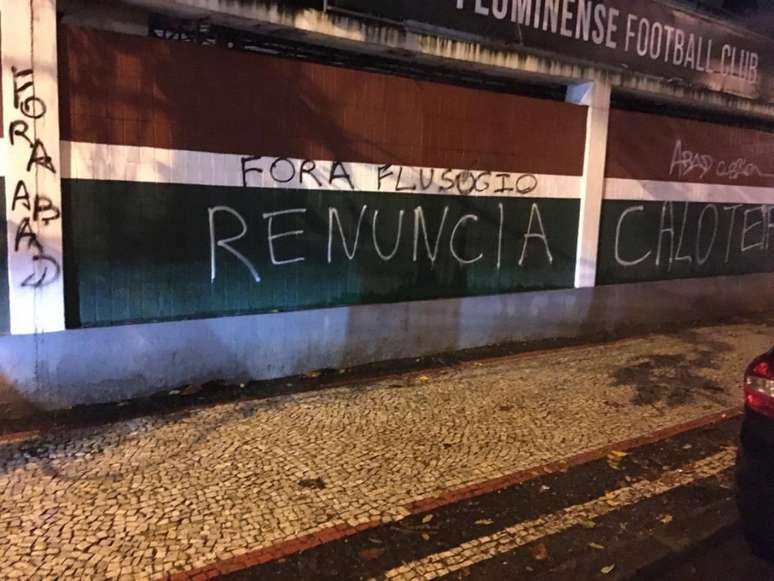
<point x="759" y="384"/>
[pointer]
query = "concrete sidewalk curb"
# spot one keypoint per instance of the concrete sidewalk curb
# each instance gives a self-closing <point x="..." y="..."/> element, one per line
<point x="171" y="401"/>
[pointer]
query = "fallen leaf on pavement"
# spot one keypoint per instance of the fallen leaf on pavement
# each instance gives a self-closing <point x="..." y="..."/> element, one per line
<point x="545" y="488"/>
<point x="191" y="389"/>
<point x="371" y="554"/>
<point x="485" y="521"/>
<point x="375" y="541"/>
<point x="617" y="454"/>
<point x="540" y="552"/>
<point x="597" y="546"/>
<point x="666" y="519"/>
<point x="607" y="570"/>
<point x="425" y="536"/>
<point x="427" y="519"/>
<point x="588" y="524"/>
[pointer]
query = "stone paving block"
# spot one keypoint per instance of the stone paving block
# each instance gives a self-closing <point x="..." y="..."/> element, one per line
<point x="135" y="498"/>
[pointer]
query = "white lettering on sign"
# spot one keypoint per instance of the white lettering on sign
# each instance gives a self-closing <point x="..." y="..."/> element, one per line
<point x="595" y="22"/>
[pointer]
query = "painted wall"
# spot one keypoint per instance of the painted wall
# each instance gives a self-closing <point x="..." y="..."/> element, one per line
<point x="55" y="370"/>
<point x="389" y="217"/>
<point x="685" y="199"/>
<point x="282" y="185"/>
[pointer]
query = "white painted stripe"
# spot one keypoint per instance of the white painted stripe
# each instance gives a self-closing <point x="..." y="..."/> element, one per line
<point x="662" y="191"/>
<point x="146" y="164"/>
<point x="490" y="546"/>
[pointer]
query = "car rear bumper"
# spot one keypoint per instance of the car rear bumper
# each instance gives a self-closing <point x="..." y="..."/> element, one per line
<point x="757" y="437"/>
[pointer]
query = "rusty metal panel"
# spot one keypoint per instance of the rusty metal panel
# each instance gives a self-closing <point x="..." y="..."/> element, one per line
<point x="122" y="89"/>
<point x="658" y="147"/>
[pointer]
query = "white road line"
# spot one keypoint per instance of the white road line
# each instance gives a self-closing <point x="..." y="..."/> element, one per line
<point x="490" y="546"/>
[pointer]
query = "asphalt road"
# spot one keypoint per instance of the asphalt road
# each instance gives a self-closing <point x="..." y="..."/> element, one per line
<point x="548" y="528"/>
<point x="726" y="557"/>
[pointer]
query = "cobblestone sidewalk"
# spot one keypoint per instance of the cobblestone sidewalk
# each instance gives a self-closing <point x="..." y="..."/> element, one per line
<point x="144" y="498"/>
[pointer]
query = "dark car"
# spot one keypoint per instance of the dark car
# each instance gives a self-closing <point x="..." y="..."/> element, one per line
<point x="755" y="460"/>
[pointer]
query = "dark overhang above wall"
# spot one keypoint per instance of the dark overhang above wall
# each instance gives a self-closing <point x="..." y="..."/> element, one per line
<point x="721" y="64"/>
<point x="204" y="33"/>
<point x="647" y="37"/>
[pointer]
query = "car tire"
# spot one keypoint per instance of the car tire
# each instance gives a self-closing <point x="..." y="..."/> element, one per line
<point x="755" y="500"/>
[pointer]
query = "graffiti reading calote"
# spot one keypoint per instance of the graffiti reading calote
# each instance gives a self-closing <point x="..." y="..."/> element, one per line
<point x="692" y="233"/>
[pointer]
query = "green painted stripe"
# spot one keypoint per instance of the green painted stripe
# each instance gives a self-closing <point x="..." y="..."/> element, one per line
<point x="140" y="252"/>
<point x="697" y="239"/>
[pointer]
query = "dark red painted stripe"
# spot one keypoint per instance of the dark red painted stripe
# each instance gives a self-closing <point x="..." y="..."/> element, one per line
<point x="642" y="146"/>
<point x="132" y="90"/>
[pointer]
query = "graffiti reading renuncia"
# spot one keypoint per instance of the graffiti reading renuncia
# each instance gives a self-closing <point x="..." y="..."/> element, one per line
<point x="427" y="242"/>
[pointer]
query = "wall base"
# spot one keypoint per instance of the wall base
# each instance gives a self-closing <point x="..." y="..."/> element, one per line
<point x="60" y="370"/>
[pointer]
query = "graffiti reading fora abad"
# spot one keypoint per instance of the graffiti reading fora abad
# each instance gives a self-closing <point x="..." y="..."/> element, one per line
<point x="39" y="208"/>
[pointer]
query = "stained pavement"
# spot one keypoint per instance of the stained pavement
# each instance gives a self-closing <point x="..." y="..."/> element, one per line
<point x="154" y="496"/>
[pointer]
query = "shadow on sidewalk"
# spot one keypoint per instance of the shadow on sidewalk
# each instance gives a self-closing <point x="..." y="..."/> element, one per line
<point x="674" y="379"/>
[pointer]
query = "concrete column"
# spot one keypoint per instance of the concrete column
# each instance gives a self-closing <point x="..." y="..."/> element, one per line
<point x="596" y="96"/>
<point x="30" y="156"/>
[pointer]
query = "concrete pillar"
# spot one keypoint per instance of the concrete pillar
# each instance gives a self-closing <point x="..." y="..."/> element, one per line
<point x="30" y="156"/>
<point x="596" y="96"/>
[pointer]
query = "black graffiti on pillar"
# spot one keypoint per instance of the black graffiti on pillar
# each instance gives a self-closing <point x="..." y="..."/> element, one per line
<point x="19" y="128"/>
<point x="21" y="194"/>
<point x="25" y="232"/>
<point x="39" y="156"/>
<point x="45" y="210"/>
<point x="51" y="268"/>
<point x="31" y="106"/>
<point x="40" y="279"/>
<point x="45" y="268"/>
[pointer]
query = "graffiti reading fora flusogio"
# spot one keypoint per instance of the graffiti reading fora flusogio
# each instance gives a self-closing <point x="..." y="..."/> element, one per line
<point x="40" y="209"/>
